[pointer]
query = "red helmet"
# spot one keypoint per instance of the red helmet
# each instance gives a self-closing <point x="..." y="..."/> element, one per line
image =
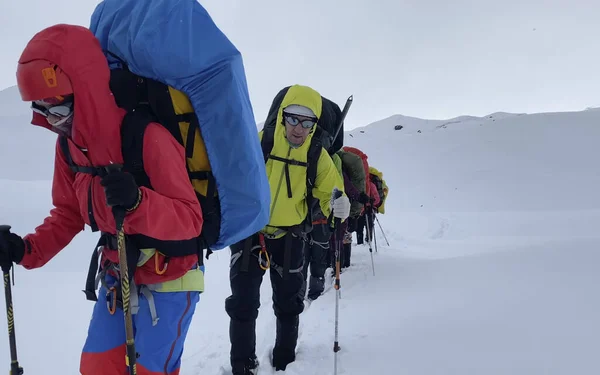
<point x="41" y="79"/>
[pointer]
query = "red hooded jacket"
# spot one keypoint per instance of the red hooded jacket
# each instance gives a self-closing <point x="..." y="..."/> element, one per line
<point x="170" y="211"/>
<point x="374" y="193"/>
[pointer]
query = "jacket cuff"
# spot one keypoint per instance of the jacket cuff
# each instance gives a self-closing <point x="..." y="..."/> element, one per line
<point x="137" y="202"/>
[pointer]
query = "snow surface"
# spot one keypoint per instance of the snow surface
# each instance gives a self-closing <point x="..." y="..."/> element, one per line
<point x="491" y="268"/>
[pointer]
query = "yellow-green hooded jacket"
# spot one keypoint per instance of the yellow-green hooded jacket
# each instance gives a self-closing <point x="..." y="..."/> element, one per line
<point x="376" y="172"/>
<point x="337" y="161"/>
<point x="292" y="210"/>
<point x="381" y="208"/>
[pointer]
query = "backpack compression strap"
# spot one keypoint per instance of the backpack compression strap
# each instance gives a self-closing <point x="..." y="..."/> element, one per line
<point x="133" y="128"/>
<point x="192" y="119"/>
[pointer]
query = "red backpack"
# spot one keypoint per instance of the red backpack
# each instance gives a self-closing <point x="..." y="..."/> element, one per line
<point x="364" y="158"/>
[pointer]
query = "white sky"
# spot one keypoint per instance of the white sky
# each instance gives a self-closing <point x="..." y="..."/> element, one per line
<point x="423" y="58"/>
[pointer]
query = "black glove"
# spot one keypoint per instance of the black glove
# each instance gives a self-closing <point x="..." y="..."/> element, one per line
<point x="121" y="190"/>
<point x="12" y="248"/>
<point x="363" y="198"/>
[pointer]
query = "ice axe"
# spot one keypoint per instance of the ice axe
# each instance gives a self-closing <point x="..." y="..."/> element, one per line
<point x="349" y="102"/>
<point x="15" y="369"/>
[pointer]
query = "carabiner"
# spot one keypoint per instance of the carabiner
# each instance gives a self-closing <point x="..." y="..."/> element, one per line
<point x="265" y="263"/>
<point x="164" y="268"/>
<point x="111" y="307"/>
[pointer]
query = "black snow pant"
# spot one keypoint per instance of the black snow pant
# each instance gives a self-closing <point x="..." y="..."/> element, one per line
<point x="315" y="256"/>
<point x="341" y="234"/>
<point x="346" y="250"/>
<point x="371" y="223"/>
<point x="245" y="277"/>
<point x="360" y="228"/>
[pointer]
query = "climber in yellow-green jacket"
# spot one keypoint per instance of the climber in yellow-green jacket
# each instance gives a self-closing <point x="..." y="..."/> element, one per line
<point x="376" y="177"/>
<point x="300" y="175"/>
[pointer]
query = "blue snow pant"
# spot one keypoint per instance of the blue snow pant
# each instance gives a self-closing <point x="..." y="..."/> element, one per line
<point x="159" y="346"/>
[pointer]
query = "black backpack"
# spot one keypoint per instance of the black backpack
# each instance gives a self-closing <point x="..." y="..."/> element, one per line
<point x="147" y="100"/>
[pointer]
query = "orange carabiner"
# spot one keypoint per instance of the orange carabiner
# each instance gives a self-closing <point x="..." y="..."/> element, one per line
<point x="156" y="269"/>
<point x="112" y="307"/>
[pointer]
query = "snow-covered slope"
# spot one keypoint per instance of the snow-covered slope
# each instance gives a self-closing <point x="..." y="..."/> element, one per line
<point x="491" y="268"/>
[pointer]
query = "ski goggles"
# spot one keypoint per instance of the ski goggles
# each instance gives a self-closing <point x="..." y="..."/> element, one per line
<point x="61" y="110"/>
<point x="294" y="120"/>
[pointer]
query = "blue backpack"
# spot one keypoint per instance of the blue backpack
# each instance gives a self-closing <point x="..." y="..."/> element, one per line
<point x="182" y="72"/>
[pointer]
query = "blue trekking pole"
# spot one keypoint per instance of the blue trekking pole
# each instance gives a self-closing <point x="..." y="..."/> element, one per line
<point x="15" y="369"/>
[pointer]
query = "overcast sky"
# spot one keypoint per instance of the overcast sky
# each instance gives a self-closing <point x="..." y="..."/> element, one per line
<point x="423" y="58"/>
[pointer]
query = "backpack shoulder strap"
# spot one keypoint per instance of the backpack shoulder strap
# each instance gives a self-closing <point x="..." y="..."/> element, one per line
<point x="267" y="141"/>
<point x="314" y="153"/>
<point x="63" y="143"/>
<point x="312" y="158"/>
<point x="133" y="129"/>
<point x="64" y="148"/>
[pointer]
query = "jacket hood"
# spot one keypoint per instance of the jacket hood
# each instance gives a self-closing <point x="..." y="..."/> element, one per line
<point x="288" y="195"/>
<point x="376" y="172"/>
<point x="303" y="96"/>
<point x="97" y="118"/>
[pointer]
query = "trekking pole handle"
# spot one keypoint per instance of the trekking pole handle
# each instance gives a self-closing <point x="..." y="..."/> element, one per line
<point x="4" y="229"/>
<point x="118" y="211"/>
<point x="335" y="194"/>
<point x="119" y="214"/>
<point x="15" y="368"/>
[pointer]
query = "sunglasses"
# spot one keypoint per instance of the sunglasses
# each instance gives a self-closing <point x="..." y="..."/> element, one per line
<point x="293" y="120"/>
